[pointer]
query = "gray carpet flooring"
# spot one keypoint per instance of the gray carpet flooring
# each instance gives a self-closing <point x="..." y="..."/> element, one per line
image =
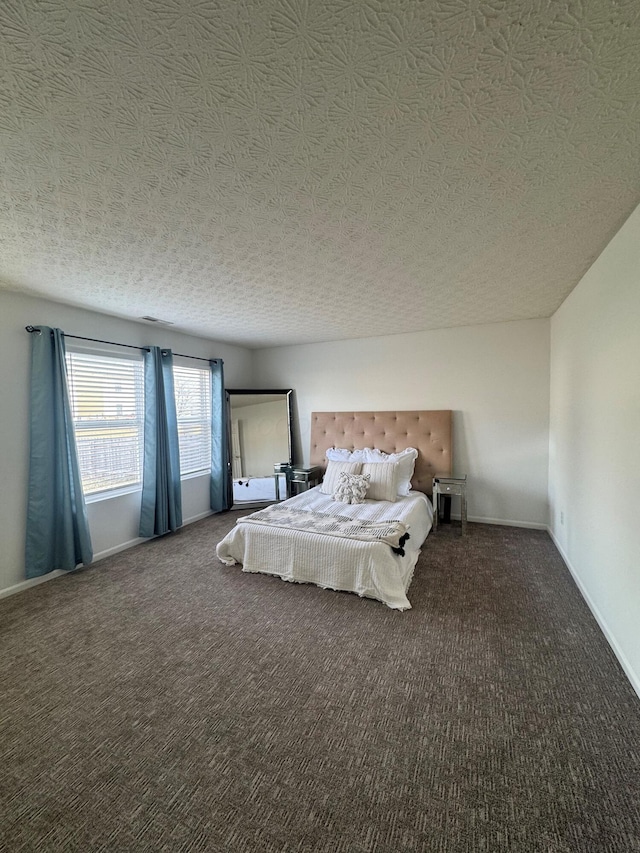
<point x="161" y="701"/>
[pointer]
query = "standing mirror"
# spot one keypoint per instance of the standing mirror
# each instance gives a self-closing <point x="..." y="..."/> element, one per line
<point x="260" y="439"/>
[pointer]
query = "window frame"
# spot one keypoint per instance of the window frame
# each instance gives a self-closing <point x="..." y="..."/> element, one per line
<point x="112" y="353"/>
<point x="181" y="363"/>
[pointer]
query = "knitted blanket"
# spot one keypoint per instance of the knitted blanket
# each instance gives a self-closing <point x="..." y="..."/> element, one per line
<point x="393" y="533"/>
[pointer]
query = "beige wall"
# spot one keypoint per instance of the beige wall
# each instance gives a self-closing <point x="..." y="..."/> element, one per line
<point x="113" y="522"/>
<point x="495" y="378"/>
<point x="594" y="482"/>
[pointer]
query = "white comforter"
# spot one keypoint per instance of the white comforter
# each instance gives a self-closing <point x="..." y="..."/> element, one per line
<point x="370" y="569"/>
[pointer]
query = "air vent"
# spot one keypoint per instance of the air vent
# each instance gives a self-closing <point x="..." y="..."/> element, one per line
<point x="156" y="320"/>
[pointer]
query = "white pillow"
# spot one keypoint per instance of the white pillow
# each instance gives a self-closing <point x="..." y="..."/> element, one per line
<point x="383" y="485"/>
<point x="341" y="454"/>
<point x="332" y="475"/>
<point x="406" y="460"/>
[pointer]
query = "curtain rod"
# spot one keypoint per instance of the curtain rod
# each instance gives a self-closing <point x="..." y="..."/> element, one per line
<point x="197" y="357"/>
<point x="38" y="331"/>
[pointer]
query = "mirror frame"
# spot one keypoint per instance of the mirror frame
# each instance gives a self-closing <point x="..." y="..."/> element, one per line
<point x="288" y="394"/>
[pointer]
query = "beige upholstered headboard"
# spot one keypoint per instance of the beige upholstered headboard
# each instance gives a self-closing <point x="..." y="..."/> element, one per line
<point x="428" y="432"/>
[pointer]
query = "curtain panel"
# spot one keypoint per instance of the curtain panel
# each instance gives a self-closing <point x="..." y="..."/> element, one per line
<point x="57" y="535"/>
<point x="161" y="509"/>
<point x="220" y="484"/>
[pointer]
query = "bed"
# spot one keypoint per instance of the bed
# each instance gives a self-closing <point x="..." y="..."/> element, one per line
<point x="312" y="538"/>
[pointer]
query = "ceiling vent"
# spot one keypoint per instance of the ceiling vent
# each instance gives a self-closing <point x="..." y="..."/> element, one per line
<point x="156" y="320"/>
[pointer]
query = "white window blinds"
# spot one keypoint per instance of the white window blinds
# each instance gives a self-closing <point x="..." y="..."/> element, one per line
<point x="107" y="403"/>
<point x="193" y="407"/>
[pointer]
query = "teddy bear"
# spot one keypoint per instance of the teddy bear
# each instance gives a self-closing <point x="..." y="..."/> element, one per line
<point x="351" y="488"/>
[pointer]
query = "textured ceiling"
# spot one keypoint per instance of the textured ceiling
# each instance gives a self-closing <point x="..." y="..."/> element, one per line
<point x="278" y="171"/>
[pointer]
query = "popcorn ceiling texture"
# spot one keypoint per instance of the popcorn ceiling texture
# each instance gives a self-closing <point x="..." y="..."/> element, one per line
<point x="288" y="170"/>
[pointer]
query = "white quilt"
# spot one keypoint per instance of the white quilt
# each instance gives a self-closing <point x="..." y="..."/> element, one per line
<point x="369" y="569"/>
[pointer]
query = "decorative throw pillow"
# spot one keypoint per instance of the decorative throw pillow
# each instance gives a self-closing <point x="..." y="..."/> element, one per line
<point x="406" y="460"/>
<point x="334" y="469"/>
<point x="351" y="488"/>
<point x="383" y="480"/>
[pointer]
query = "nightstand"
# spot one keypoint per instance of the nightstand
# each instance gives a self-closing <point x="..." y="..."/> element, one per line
<point x="304" y="478"/>
<point x="448" y="487"/>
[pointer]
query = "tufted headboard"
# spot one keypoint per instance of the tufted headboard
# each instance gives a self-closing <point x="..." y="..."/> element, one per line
<point x="428" y="432"/>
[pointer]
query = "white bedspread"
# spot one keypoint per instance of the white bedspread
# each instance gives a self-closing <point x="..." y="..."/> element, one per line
<point x="369" y="569"/>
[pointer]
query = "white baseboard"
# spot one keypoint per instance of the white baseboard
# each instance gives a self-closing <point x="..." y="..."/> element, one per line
<point x="139" y="540"/>
<point x="20" y="587"/>
<point x="124" y="546"/>
<point x="633" y="677"/>
<point x="506" y="522"/>
<point x="198" y="517"/>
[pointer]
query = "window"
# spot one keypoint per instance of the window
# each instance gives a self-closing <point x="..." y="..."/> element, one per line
<point x="107" y="404"/>
<point x="193" y="407"/>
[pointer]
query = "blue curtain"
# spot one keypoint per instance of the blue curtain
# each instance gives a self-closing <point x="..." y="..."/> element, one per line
<point x="57" y="528"/>
<point x="219" y="486"/>
<point x="161" y="510"/>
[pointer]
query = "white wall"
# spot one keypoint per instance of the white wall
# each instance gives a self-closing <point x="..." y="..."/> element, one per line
<point x="495" y="378"/>
<point x="594" y="474"/>
<point x="113" y="522"/>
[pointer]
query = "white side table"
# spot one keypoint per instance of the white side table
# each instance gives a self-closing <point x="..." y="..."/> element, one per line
<point x="280" y="469"/>
<point x="448" y="486"/>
